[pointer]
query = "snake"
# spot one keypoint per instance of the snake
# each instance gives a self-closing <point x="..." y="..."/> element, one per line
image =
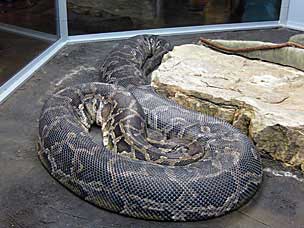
<point x="157" y="160"/>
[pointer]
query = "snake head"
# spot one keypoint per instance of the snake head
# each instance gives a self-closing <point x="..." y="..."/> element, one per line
<point x="102" y="110"/>
<point x="97" y="108"/>
<point x="89" y="103"/>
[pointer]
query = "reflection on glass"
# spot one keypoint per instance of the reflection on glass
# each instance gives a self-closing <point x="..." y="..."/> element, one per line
<point x="30" y="17"/>
<point x="32" y="14"/>
<point x="263" y="10"/>
<point x="96" y="16"/>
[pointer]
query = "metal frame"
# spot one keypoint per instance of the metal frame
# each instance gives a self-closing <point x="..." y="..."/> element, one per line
<point x="172" y="31"/>
<point x="62" y="19"/>
<point x="295" y="26"/>
<point x="62" y="24"/>
<point x="284" y="12"/>
<point x="290" y="23"/>
<point x="28" y="32"/>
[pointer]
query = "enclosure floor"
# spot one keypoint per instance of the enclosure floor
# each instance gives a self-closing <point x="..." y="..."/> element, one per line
<point x="30" y="197"/>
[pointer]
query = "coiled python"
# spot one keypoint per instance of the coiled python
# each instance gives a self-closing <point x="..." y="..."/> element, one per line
<point x="191" y="167"/>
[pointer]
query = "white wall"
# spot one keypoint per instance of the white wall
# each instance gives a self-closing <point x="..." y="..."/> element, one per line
<point x="295" y="18"/>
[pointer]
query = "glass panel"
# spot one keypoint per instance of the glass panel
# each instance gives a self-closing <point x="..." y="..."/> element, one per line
<point x="97" y="16"/>
<point x="37" y="15"/>
<point x="27" y="28"/>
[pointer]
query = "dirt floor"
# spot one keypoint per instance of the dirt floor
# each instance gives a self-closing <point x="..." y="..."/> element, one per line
<point x="30" y="197"/>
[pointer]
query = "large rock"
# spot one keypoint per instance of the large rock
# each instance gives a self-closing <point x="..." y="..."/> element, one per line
<point x="264" y="100"/>
<point x="288" y="56"/>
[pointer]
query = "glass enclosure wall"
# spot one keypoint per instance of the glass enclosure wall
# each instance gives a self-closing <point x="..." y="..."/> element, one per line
<point x="27" y="28"/>
<point x="98" y="16"/>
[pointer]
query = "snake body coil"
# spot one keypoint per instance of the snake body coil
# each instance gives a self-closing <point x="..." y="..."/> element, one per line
<point x="208" y="169"/>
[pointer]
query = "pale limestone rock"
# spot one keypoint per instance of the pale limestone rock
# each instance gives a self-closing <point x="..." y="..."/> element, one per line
<point x="299" y="38"/>
<point x="288" y="56"/>
<point x="264" y="100"/>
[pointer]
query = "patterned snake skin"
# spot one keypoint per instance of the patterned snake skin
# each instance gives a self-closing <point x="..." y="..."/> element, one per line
<point x="203" y="167"/>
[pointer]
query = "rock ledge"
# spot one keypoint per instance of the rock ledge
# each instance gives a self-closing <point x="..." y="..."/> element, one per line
<point x="264" y="100"/>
